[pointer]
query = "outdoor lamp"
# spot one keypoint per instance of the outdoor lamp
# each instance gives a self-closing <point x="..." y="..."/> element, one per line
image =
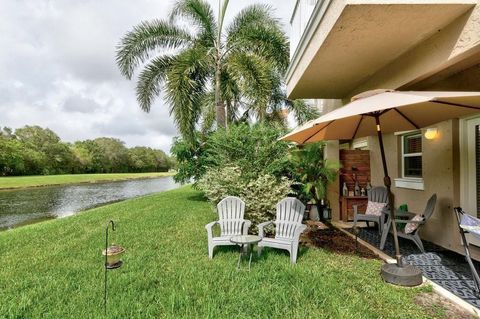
<point x="431" y="133"/>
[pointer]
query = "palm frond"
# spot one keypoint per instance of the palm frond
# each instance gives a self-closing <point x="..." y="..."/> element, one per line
<point x="208" y="112"/>
<point x="150" y="80"/>
<point x="250" y="15"/>
<point x="185" y="87"/>
<point x="255" y="29"/>
<point x="302" y="111"/>
<point x="252" y="73"/>
<point x="198" y="12"/>
<point x="136" y="46"/>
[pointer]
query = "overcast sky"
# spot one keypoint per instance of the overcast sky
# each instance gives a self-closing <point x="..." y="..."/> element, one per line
<point x="57" y="68"/>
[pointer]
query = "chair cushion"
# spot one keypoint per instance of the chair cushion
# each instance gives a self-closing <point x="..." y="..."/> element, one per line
<point x="374" y="208"/>
<point x="410" y="227"/>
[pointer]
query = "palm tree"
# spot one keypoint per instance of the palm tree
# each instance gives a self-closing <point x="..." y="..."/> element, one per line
<point x="313" y="171"/>
<point x="208" y="73"/>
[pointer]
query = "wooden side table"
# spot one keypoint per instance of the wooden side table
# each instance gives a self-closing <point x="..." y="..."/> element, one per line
<point x="348" y="201"/>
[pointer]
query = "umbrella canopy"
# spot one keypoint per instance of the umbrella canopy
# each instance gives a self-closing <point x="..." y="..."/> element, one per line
<point x="397" y="111"/>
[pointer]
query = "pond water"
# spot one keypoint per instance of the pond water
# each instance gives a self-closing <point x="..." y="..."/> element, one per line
<point x="26" y="206"/>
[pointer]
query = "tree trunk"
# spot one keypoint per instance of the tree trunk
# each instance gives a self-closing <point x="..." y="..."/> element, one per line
<point x="219" y="105"/>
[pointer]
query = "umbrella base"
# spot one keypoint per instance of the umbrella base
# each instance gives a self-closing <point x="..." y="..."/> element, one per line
<point x="407" y="276"/>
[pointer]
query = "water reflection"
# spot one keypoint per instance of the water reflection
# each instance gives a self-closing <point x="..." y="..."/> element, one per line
<point x="20" y="207"/>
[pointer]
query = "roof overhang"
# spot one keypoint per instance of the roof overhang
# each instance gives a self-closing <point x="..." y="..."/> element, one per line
<point x="347" y="41"/>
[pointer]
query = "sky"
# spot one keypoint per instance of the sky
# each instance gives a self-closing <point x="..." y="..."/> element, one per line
<point x="57" y="68"/>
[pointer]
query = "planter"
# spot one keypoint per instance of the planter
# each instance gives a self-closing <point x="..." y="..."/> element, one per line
<point x="313" y="213"/>
<point x="114" y="253"/>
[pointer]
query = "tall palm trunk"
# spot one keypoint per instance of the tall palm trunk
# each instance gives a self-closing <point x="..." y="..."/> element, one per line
<point x="219" y="103"/>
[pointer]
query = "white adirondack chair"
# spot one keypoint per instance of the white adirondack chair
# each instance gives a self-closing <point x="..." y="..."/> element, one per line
<point x="230" y="210"/>
<point x="288" y="227"/>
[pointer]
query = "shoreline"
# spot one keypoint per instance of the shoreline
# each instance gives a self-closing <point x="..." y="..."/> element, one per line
<point x="93" y="181"/>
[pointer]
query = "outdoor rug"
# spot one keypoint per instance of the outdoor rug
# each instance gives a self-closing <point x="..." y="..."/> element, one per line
<point x="444" y="267"/>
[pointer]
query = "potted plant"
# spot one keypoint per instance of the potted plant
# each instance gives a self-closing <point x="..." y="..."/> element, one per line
<point x="314" y="173"/>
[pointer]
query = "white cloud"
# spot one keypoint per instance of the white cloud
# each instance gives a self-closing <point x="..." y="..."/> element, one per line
<point x="58" y="68"/>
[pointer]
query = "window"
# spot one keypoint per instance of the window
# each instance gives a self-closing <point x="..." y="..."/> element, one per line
<point x="412" y="155"/>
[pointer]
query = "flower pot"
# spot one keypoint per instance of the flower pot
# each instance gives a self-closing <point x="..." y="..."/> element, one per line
<point x="313" y="213"/>
<point x="113" y="255"/>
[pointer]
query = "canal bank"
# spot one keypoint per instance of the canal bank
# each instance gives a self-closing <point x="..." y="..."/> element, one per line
<point x="21" y="182"/>
<point x="31" y="205"/>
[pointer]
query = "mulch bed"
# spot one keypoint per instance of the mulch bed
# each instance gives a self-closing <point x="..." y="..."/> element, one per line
<point x="329" y="238"/>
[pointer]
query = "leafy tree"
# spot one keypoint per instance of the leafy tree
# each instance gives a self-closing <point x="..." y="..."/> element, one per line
<point x="190" y="158"/>
<point x="11" y="156"/>
<point x="110" y="154"/>
<point x="46" y="153"/>
<point x="33" y="150"/>
<point x="82" y="158"/>
<point x="146" y="159"/>
<point x="211" y="73"/>
<point x="254" y="149"/>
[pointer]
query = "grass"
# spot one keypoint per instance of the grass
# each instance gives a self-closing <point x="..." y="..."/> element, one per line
<point x="54" y="270"/>
<point x="46" y="180"/>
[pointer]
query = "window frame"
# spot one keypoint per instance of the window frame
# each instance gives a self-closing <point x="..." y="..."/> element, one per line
<point x="403" y="155"/>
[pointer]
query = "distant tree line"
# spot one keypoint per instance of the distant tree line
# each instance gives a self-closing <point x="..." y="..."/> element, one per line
<point x="33" y="150"/>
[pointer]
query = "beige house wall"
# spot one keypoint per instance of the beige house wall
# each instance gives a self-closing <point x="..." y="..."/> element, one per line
<point x="441" y="167"/>
<point x="447" y="60"/>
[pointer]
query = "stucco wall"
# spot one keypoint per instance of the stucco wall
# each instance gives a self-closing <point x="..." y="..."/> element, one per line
<point x="441" y="176"/>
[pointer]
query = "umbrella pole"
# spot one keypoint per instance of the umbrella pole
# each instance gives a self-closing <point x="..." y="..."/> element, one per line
<point x="388" y="183"/>
<point x="397" y="274"/>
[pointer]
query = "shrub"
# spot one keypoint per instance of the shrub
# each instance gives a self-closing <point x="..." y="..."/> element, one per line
<point x="222" y="182"/>
<point x="313" y="172"/>
<point x="254" y="149"/>
<point x="260" y="194"/>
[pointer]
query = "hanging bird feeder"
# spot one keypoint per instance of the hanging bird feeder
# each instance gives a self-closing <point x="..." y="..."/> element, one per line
<point x="113" y="254"/>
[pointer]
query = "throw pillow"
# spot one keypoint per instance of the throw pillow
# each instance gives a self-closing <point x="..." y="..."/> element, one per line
<point x="410" y="227"/>
<point x="374" y="208"/>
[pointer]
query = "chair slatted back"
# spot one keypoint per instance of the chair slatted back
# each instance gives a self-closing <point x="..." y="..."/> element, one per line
<point x="290" y="213"/>
<point x="430" y="208"/>
<point x="230" y="210"/>
<point x="378" y="194"/>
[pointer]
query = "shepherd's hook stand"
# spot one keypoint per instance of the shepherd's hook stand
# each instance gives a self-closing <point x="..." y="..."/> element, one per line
<point x="107" y="265"/>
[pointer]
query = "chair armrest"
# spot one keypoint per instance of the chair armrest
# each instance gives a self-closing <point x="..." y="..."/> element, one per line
<point x="356" y="206"/>
<point x="261" y="226"/>
<point x="404" y="221"/>
<point x="359" y="205"/>
<point x="401" y="213"/>
<point x="299" y="230"/>
<point x="246" y="225"/>
<point x="209" y="228"/>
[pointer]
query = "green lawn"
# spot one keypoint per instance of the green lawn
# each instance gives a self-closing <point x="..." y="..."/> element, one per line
<point x="54" y="270"/>
<point x="45" y="180"/>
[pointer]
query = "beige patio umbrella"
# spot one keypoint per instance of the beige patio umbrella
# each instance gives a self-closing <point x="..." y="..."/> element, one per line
<point x="388" y="111"/>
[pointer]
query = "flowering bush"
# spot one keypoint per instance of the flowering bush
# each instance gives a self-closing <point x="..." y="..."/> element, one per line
<point x="260" y="194"/>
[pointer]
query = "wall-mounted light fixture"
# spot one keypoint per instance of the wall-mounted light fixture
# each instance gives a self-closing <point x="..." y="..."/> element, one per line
<point x="431" y="133"/>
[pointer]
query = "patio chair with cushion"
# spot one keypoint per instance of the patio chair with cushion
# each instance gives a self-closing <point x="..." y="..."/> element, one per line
<point x="412" y="222"/>
<point x="377" y="202"/>
<point x="288" y="227"/>
<point x="230" y="210"/>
